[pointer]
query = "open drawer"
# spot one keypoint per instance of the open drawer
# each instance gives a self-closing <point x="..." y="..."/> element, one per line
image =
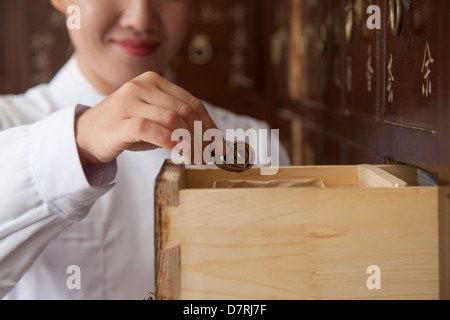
<point x="367" y="232"/>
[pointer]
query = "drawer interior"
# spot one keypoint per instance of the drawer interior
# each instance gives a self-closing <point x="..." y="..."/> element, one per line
<point x="384" y="176"/>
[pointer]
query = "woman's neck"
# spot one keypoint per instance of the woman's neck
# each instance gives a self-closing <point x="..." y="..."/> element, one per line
<point x="102" y="86"/>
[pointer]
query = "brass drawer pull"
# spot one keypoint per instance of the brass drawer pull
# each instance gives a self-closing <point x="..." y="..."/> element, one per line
<point x="200" y="51"/>
<point x="396" y="9"/>
<point x="349" y="23"/>
<point x="149" y="296"/>
<point x="240" y="157"/>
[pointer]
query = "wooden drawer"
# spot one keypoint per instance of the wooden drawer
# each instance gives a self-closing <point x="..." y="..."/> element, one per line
<point x="361" y="75"/>
<point x="414" y="65"/>
<point x="303" y="81"/>
<point x="296" y="242"/>
<point x="220" y="60"/>
<point x="330" y="59"/>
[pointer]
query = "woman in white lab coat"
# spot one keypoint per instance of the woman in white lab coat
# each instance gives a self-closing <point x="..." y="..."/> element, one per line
<point x="76" y="206"/>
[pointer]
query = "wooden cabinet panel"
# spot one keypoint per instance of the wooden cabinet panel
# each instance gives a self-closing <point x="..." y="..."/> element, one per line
<point x="383" y="98"/>
<point x="280" y="47"/>
<point x="414" y="65"/>
<point x="361" y="69"/>
<point x="357" y="155"/>
<point x="34" y="44"/>
<point x="2" y="58"/>
<point x="12" y="47"/>
<point x="303" y="70"/>
<point x="334" y="150"/>
<point x="364" y="97"/>
<point x="444" y="165"/>
<point x="411" y="146"/>
<point x="223" y="57"/>
<point x="47" y="41"/>
<point x="331" y="59"/>
<point x="311" y="151"/>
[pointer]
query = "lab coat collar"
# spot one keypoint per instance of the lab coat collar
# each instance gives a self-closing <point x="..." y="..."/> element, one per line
<point x="70" y="87"/>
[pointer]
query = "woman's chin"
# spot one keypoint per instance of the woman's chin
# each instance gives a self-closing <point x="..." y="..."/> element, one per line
<point x="132" y="73"/>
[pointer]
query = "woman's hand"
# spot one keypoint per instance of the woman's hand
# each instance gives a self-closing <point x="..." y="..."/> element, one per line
<point x="140" y="116"/>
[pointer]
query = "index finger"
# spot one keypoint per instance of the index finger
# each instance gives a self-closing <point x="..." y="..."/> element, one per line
<point x="187" y="98"/>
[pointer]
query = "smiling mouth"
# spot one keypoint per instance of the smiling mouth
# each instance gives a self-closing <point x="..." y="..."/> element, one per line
<point x="137" y="48"/>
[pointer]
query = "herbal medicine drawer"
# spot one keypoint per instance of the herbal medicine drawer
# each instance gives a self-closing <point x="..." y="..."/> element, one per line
<point x="353" y="232"/>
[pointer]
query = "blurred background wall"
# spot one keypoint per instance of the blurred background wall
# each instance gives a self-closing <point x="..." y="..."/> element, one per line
<point x="339" y="92"/>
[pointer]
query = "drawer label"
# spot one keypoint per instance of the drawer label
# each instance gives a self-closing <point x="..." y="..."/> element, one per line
<point x="391" y="79"/>
<point x="426" y="70"/>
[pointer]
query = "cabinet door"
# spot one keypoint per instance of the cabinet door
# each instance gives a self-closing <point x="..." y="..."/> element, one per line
<point x="331" y="59"/>
<point x="280" y="49"/>
<point x="34" y="44"/>
<point x="361" y="68"/>
<point x="12" y="56"/>
<point x="223" y="57"/>
<point x="413" y="63"/>
<point x="304" y="72"/>
<point x="2" y="58"/>
<point x="303" y="80"/>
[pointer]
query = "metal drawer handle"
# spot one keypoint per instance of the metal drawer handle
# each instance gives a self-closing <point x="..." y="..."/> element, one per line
<point x="349" y="23"/>
<point x="396" y="9"/>
<point x="200" y="50"/>
<point x="240" y="157"/>
<point x="149" y="296"/>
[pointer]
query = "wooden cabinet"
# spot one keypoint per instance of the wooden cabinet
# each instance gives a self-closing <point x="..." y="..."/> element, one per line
<point x="226" y="58"/>
<point x="361" y="72"/>
<point x="367" y="93"/>
<point x="331" y="66"/>
<point x="413" y="63"/>
<point x="222" y="50"/>
<point x="383" y="93"/>
<point x="414" y="82"/>
<point x="34" y="44"/>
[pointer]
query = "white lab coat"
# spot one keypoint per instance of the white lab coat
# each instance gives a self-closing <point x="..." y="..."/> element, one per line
<point x="51" y="218"/>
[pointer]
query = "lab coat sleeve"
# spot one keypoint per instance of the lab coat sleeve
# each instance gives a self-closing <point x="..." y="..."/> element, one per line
<point x="43" y="190"/>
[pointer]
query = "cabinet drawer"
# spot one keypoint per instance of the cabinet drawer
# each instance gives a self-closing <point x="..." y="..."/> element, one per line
<point x="303" y="81"/>
<point x="361" y="76"/>
<point x="219" y="61"/>
<point x="330" y="58"/>
<point x="297" y="242"/>
<point x="414" y="64"/>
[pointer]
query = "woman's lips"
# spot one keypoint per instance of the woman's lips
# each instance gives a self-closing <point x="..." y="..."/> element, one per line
<point x="138" y="48"/>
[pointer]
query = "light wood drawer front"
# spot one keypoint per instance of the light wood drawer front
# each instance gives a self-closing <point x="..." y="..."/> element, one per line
<point x="297" y="243"/>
